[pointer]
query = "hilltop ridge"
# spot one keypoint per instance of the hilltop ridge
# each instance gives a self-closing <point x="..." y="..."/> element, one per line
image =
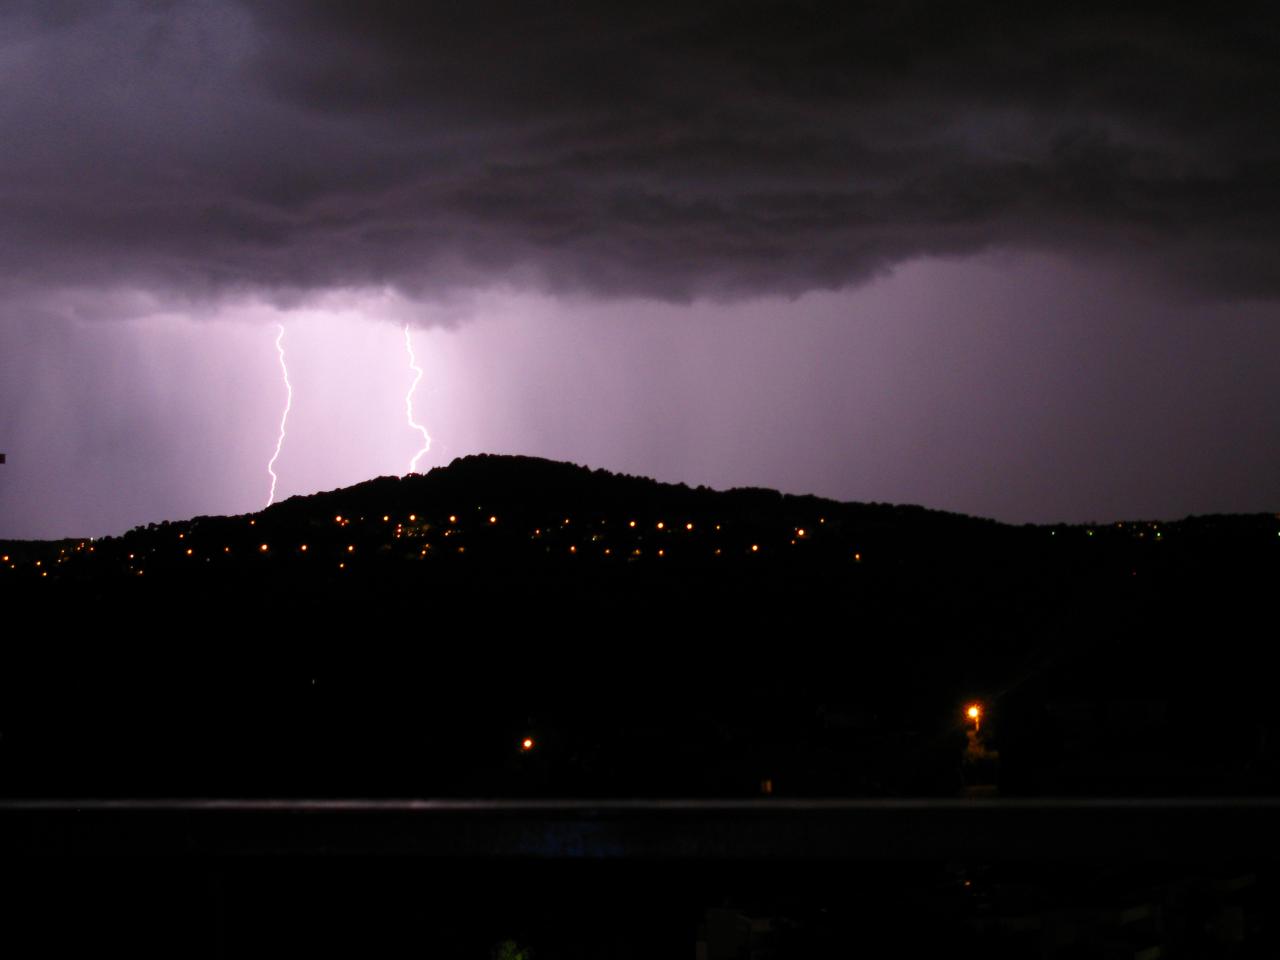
<point x="538" y="482"/>
<point x="513" y="509"/>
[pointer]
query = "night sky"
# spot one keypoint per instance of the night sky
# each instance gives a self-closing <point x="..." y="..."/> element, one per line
<point x="1018" y="264"/>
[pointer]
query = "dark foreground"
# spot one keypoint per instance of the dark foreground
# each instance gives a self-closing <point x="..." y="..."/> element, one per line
<point x="753" y="879"/>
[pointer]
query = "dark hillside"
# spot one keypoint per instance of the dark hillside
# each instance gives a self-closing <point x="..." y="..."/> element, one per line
<point x="403" y="636"/>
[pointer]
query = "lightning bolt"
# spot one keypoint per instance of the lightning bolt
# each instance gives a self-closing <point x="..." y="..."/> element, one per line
<point x="284" y="416"/>
<point x="408" y="403"/>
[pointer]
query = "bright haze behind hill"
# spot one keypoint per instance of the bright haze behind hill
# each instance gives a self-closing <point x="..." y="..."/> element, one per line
<point x="1010" y="264"/>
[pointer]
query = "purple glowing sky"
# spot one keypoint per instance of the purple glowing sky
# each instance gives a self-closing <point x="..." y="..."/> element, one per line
<point x="1008" y="267"/>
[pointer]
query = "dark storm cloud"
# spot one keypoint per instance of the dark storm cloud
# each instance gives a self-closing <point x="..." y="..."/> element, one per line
<point x="667" y="150"/>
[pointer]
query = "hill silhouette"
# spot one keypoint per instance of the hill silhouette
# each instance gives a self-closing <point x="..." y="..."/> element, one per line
<point x="406" y="635"/>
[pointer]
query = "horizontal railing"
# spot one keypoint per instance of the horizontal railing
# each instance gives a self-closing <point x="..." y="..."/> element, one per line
<point x="994" y="830"/>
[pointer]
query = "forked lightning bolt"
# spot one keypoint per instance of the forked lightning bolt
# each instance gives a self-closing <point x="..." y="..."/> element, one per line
<point x="284" y="417"/>
<point x="408" y="403"/>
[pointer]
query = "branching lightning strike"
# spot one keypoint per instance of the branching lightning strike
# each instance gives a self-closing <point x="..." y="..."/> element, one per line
<point x="408" y="403"/>
<point x="284" y="417"/>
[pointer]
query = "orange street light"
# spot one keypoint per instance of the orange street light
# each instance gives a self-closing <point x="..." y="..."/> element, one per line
<point x="526" y="744"/>
<point x="974" y="713"/>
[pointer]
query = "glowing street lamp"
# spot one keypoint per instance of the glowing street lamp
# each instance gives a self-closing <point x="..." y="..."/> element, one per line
<point x="974" y="713"/>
